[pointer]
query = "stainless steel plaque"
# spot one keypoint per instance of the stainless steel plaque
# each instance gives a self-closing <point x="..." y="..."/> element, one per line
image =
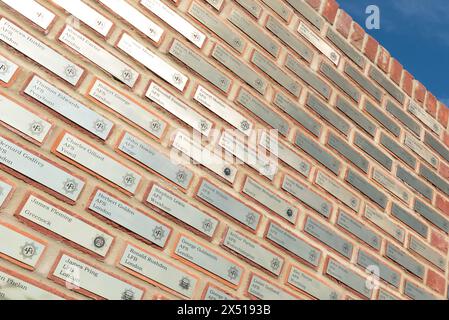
<point x="404" y="260"/>
<point x="216" y="4"/>
<point x="337" y="190"/>
<point x="357" y="117"/>
<point x="385" y="272"/>
<point x="39" y="52"/>
<point x="436" y="145"/>
<point x="33" y="11"/>
<point x="120" y="213"/>
<point x="434" y="178"/>
<point x="383" y="119"/>
<point x="340" y="81"/>
<point x="5" y="191"/>
<point x="339" y="145"/>
<point x="251" y="6"/>
<point x="397" y="150"/>
<point x="181" y="210"/>
<point x="307" y="12"/>
<point x="385" y="295"/>
<point x="427" y="253"/>
<point x="319" y="43"/>
<point x="430" y="214"/>
<point x="413" y="291"/>
<point x="209" y="260"/>
<point x="366" y="188"/>
<point x="8" y="70"/>
<point x="197" y="63"/>
<point x="264" y="290"/>
<point x="280" y="8"/>
<point x="71" y="109"/>
<point x="385" y="223"/>
<point x="414" y="182"/>
<point x="391" y="185"/>
<point x="374" y="152"/>
<point x="421" y="150"/>
<point x="328" y="237"/>
<point x="214" y="293"/>
<point x="388" y="85"/>
<point x="307" y="196"/>
<point x="99" y="56"/>
<point x="312" y="286"/>
<point x="403" y="117"/>
<point x="251" y="29"/>
<point x="346" y="48"/>
<point x="229" y="205"/>
<point x="270" y="200"/>
<point x="293" y="244"/>
<point x="243" y="71"/>
<point x="363" y="81"/>
<point x="275" y="73"/>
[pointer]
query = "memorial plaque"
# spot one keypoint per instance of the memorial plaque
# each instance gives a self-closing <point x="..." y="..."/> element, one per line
<point x="270" y="200"/>
<point x="406" y="261"/>
<point x="413" y="291"/>
<point x="434" y="178"/>
<point x="209" y="159"/>
<point x="337" y="190"/>
<point x="366" y="84"/>
<point x="240" y="69"/>
<point x="174" y="20"/>
<point x="126" y="108"/>
<point x="436" y="145"/>
<point x="348" y="277"/>
<point x="19" y="247"/>
<point x="386" y="273"/>
<point x="39" y="52"/>
<point x="307" y="12"/>
<point x="319" y="43"/>
<point x="253" y="251"/>
<point x="280" y="8"/>
<point x="309" y="76"/>
<point x="181" y="210"/>
<point x="328" y="114"/>
<point x="392" y="186"/>
<point x="275" y="73"/>
<point x="178" y="108"/>
<point x="88" y="15"/>
<point x="358" y="229"/>
<point x="366" y="188"/>
<point x="8" y="71"/>
<point x="307" y="196"/>
<point x="313" y="287"/>
<point x="297" y="113"/>
<point x="251" y="29"/>
<point x="288" y="38"/>
<point x="385" y="296"/>
<point x="383" y="119"/>
<point x="96" y="162"/>
<point x="214" y="293"/>
<point x="227" y="204"/>
<point x="285" y="153"/>
<point x="264" y="290"/>
<point x="223" y="110"/>
<point x="385" y="223"/>
<point x="329" y="237"/>
<point x="403" y="117"/>
<point x="21" y="119"/>
<point x="92" y="281"/>
<point x="6" y="190"/>
<point x="200" y="65"/>
<point x="155" y="270"/>
<point x="389" y="86"/>
<point x="424" y="117"/>
<point x="152" y="61"/>
<point x="33" y="11"/>
<point x="99" y="56"/>
<point x="345" y="47"/>
<point x="262" y="111"/>
<point x="208" y="260"/>
<point x="148" y="156"/>
<point x="292" y="244"/>
<point x="427" y="253"/>
<point x="71" y="109"/>
<point x="346" y="151"/>
<point x="374" y="152"/>
<point x="107" y="206"/>
<point x="414" y="182"/>
<point x="28" y="165"/>
<point x="318" y="153"/>
<point x="216" y="4"/>
<point x="431" y="215"/>
<point x="42" y="214"/>
<point x="418" y="148"/>
<point x="217" y="26"/>
<point x="339" y="80"/>
<point x="357" y="117"/>
<point x="14" y="286"/>
<point x="251" y="6"/>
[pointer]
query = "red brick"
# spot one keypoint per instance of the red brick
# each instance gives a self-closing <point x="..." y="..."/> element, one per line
<point x="316" y="4"/>
<point x="442" y="204"/>
<point x="396" y="71"/>
<point x="420" y="92"/>
<point x="446" y="137"/>
<point x="330" y="10"/>
<point x="438" y="241"/>
<point x="443" y="114"/>
<point x="371" y="47"/>
<point x="436" y="282"/>
<point x="407" y="83"/>
<point x="383" y="60"/>
<point x="357" y="35"/>
<point x="344" y="22"/>
<point x="444" y="170"/>
<point x="431" y="104"/>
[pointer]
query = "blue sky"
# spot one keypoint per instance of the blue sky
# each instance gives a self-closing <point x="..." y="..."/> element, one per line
<point x="416" y="33"/>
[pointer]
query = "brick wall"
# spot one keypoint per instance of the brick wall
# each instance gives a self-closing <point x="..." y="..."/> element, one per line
<point x="89" y="191"/>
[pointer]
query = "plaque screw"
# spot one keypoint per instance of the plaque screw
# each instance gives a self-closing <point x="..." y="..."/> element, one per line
<point x="289" y="212"/>
<point x="99" y="242"/>
<point x="227" y="171"/>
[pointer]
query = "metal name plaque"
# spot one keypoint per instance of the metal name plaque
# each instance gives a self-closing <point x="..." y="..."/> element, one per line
<point x="384" y="222"/>
<point x="384" y="295"/>
<point x="97" y="162"/>
<point x="178" y="108"/>
<point x="213" y="293"/>
<point x="33" y="11"/>
<point x="403" y="117"/>
<point x="40" y="170"/>
<point x="253" y="251"/>
<point x="120" y="213"/>
<point x="398" y="150"/>
<point x="264" y="290"/>
<point x="280" y="8"/>
<point x="154" y="160"/>
<point x="421" y="150"/>
<point x="404" y="260"/>
<point x="323" y="110"/>
<point x="69" y="108"/>
<point x="312" y="286"/>
<point x="392" y="186"/>
<point x="430" y="214"/>
<point x="152" y="62"/>
<point x="374" y="152"/>
<point x="427" y="253"/>
<point x="251" y="6"/>
<point x="436" y="145"/>
<point x="228" y="204"/>
<point x="156" y="269"/>
<point x="307" y="12"/>
<point x="37" y="51"/>
<point x="5" y="191"/>
<point x="181" y="210"/>
<point x="409" y="219"/>
<point x="20" y="247"/>
<point x="70" y="227"/>
<point x="385" y="272"/>
<point x="414" y="182"/>
<point x="338" y="191"/>
<point x="20" y="118"/>
<point x="413" y="291"/>
<point x="358" y="229"/>
<point x="8" y="70"/>
<point x="99" y="56"/>
<point x="344" y="84"/>
<point x="205" y="157"/>
<point x="216" y="4"/>
<point x="208" y="260"/>
<point x="87" y="277"/>
<point x="345" y="47"/>
<point x="367" y="189"/>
